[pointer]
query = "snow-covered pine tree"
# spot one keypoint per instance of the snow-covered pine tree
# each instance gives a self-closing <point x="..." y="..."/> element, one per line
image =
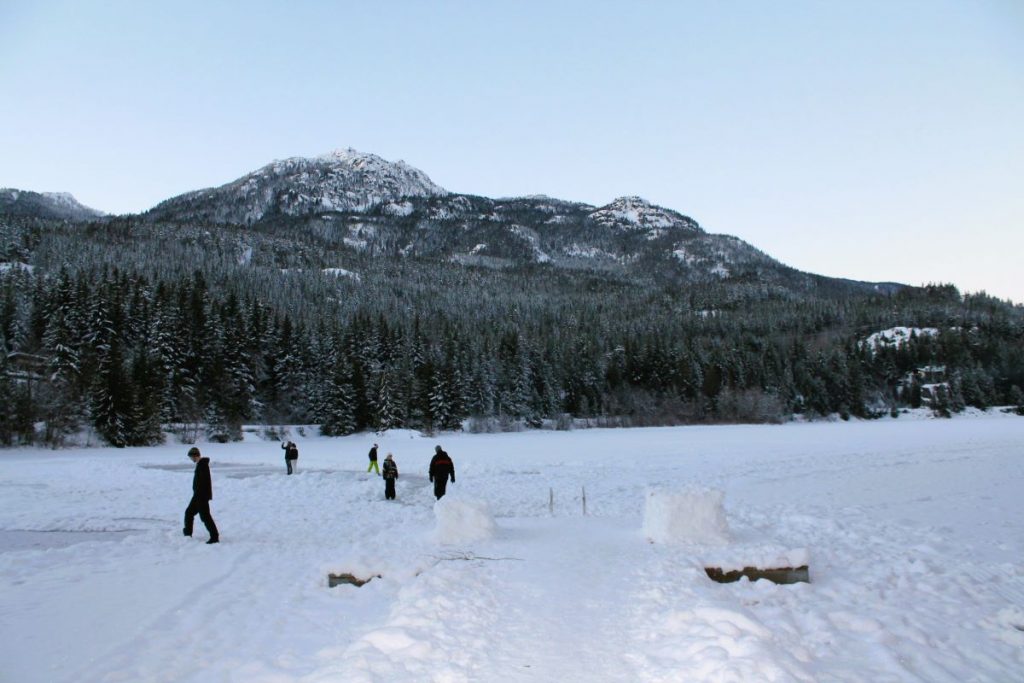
<point x="147" y="381"/>
<point x="385" y="415"/>
<point x="339" y="413"/>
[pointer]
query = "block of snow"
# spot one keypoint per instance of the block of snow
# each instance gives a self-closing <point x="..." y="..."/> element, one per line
<point x="688" y="516"/>
<point x="462" y="521"/>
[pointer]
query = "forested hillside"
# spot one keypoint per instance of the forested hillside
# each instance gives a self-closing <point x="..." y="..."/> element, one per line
<point x="355" y="294"/>
<point x="126" y="325"/>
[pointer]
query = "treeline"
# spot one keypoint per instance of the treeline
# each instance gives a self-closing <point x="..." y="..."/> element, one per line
<point x="192" y="335"/>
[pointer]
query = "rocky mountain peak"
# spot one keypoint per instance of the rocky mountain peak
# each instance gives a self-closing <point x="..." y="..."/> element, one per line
<point x="637" y="214"/>
<point x="342" y="180"/>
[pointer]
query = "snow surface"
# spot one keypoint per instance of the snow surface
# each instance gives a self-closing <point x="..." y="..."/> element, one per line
<point x="914" y="531"/>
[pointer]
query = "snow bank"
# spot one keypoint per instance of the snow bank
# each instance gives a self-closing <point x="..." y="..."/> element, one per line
<point x="692" y="515"/>
<point x="461" y="521"/>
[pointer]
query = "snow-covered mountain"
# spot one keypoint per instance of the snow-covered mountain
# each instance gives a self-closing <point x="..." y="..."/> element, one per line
<point x="365" y="206"/>
<point x="341" y="181"/>
<point x="60" y="205"/>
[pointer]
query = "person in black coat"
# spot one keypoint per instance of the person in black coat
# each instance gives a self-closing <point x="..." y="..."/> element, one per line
<point x="390" y="474"/>
<point x="202" y="494"/>
<point x="291" y="456"/>
<point x="441" y="468"/>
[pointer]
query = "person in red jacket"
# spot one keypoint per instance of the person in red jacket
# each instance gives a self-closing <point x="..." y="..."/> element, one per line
<point x="202" y="494"/>
<point x="441" y="468"/>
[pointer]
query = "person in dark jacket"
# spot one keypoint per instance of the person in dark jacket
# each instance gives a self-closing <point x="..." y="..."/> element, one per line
<point x="373" y="460"/>
<point x="291" y="456"/>
<point x="202" y="494"/>
<point x="441" y="468"/>
<point x="390" y="474"/>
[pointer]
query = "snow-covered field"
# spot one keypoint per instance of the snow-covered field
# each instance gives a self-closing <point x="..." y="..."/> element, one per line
<point x="914" y="530"/>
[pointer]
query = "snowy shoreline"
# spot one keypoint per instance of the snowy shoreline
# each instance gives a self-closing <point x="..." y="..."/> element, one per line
<point x="914" y="531"/>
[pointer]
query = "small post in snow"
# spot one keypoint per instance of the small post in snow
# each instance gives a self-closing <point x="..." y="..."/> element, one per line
<point x="551" y="501"/>
<point x="584" y="500"/>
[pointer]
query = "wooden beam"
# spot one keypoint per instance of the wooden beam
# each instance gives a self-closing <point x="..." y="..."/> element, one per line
<point x="338" y="579"/>
<point x="776" y="575"/>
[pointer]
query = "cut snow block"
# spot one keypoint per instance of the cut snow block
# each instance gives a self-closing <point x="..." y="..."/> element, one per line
<point x="688" y="516"/>
<point x="463" y="521"/>
<point x="775" y="575"/>
<point x="338" y="579"/>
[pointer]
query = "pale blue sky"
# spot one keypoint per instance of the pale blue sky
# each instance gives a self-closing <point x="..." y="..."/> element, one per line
<point x="869" y="140"/>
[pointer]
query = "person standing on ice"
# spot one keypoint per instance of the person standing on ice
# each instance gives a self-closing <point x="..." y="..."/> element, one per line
<point x="373" y="460"/>
<point x="441" y="467"/>
<point x="202" y="494"/>
<point x="390" y="474"/>
<point x="291" y="456"/>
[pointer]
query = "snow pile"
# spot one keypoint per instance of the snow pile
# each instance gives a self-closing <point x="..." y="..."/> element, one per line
<point x="692" y="515"/>
<point x="462" y="521"/>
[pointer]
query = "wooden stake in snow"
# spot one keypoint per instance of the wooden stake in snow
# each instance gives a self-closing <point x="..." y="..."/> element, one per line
<point x="584" y="500"/>
<point x="551" y="501"/>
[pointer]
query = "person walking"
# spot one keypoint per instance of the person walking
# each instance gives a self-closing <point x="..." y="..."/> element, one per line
<point x="202" y="494"/>
<point x="373" y="461"/>
<point x="291" y="456"/>
<point x="441" y="468"/>
<point x="390" y="474"/>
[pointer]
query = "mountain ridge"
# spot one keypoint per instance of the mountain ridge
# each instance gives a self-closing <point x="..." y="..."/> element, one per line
<point x="359" y="204"/>
<point x="58" y="205"/>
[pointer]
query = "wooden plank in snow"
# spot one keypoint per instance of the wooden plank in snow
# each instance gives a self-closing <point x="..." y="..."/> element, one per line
<point x="338" y="579"/>
<point x="775" y="575"/>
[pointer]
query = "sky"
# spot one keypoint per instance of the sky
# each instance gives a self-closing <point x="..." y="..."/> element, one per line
<point x="877" y="141"/>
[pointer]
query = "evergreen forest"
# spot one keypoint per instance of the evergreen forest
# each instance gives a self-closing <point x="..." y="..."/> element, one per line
<point x="132" y="328"/>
